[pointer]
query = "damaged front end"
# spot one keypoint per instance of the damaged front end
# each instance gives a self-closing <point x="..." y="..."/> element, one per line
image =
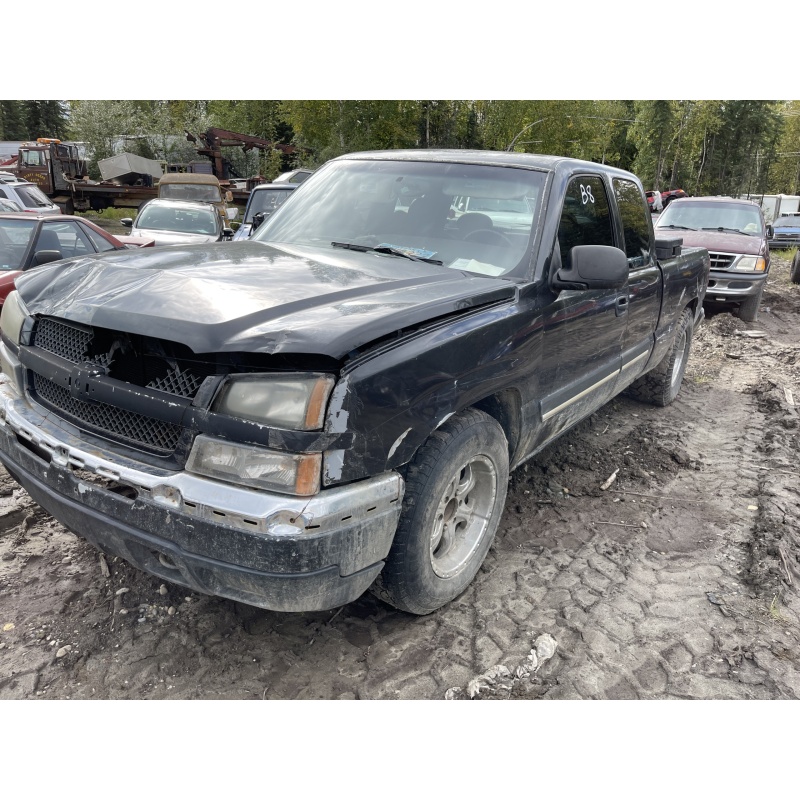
<point x="156" y="454"/>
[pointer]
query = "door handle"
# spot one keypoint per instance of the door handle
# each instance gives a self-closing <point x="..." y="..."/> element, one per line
<point x="622" y="305"/>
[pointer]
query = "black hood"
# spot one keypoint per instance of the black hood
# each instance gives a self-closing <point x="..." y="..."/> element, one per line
<point x="252" y="297"/>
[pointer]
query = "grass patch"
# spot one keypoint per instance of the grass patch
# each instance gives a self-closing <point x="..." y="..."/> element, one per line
<point x="109" y="213"/>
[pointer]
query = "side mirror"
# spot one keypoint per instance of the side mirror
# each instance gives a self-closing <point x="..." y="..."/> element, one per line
<point x="594" y="266"/>
<point x="45" y="257"/>
<point x="232" y="213"/>
<point x="229" y="197"/>
<point x="227" y="233"/>
<point x="258" y="219"/>
<point x="126" y="222"/>
<point x="770" y="232"/>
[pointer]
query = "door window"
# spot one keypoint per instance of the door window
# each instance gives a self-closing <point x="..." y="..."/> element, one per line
<point x="72" y="240"/>
<point x="585" y="218"/>
<point x="101" y="244"/>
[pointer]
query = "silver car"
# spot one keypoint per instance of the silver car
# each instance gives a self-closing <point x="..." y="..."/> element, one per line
<point x="28" y="196"/>
<point x="178" y="222"/>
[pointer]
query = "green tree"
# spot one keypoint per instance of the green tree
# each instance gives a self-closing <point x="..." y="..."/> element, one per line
<point x="45" y="118"/>
<point x="13" y="126"/>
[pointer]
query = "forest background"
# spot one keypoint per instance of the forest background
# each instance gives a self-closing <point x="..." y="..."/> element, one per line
<point x="706" y="147"/>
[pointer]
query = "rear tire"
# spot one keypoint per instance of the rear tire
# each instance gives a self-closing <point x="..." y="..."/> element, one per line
<point x="794" y="271"/>
<point x="455" y="492"/>
<point x="748" y="310"/>
<point x="661" y="385"/>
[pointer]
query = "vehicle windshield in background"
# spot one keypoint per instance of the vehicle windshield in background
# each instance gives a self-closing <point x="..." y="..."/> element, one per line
<point x="267" y="202"/>
<point x="787" y="221"/>
<point x="189" y="220"/>
<point x="204" y="193"/>
<point x="708" y="215"/>
<point x="466" y="217"/>
<point x="15" y="236"/>
<point x="33" y="197"/>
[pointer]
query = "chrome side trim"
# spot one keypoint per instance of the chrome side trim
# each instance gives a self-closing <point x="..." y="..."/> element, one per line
<point x="580" y="395"/>
<point x="635" y="360"/>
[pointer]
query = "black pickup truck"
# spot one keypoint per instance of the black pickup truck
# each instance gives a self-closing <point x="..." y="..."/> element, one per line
<point x="336" y="403"/>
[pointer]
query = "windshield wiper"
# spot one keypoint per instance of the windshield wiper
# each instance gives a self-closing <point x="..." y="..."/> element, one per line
<point x="392" y="251"/>
<point x="728" y="230"/>
<point x="680" y="227"/>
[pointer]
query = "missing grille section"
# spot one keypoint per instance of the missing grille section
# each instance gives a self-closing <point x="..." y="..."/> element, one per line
<point x="166" y="366"/>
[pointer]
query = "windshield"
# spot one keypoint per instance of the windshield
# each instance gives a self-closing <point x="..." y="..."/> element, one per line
<point x="190" y="191"/>
<point x="787" y="221"/>
<point x="712" y="216"/>
<point x="15" y="235"/>
<point x="265" y="201"/>
<point x="466" y="217"/>
<point x="33" y="197"/>
<point x="182" y="220"/>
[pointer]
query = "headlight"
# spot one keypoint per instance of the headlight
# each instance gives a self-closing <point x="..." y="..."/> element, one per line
<point x="750" y="264"/>
<point x="14" y="313"/>
<point x="256" y="466"/>
<point x="295" y="401"/>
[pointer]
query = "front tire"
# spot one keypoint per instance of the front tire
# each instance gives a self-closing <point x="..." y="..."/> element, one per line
<point x="748" y="310"/>
<point x="794" y="271"/>
<point x="661" y="385"/>
<point x="455" y="492"/>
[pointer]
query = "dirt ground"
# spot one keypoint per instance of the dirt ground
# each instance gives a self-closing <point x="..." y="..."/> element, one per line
<point x="677" y="581"/>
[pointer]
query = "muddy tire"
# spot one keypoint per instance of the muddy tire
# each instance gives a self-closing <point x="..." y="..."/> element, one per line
<point x="794" y="270"/>
<point x="748" y="310"/>
<point x="454" y="496"/>
<point x="661" y="385"/>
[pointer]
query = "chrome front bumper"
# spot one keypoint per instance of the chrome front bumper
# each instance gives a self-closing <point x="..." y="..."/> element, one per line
<point x="275" y="551"/>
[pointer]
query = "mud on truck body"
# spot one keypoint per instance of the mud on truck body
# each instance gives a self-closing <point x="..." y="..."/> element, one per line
<point x="335" y="404"/>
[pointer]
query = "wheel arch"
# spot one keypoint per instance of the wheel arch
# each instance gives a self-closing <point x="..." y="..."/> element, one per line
<point x="506" y="408"/>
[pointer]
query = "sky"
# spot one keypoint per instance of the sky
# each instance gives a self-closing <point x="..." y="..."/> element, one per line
<point x="353" y="49"/>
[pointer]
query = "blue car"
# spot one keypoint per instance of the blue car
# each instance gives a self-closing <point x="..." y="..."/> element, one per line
<point x="785" y="232"/>
<point x="264" y="200"/>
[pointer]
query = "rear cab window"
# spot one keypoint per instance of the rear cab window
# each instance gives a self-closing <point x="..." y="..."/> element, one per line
<point x="634" y="216"/>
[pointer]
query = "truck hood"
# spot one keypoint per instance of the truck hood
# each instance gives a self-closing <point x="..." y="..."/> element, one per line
<point x="717" y="241"/>
<point x="252" y="297"/>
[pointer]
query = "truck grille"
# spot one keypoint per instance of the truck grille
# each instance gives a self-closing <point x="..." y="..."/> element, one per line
<point x="721" y="260"/>
<point x="102" y="418"/>
<point x="137" y="360"/>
